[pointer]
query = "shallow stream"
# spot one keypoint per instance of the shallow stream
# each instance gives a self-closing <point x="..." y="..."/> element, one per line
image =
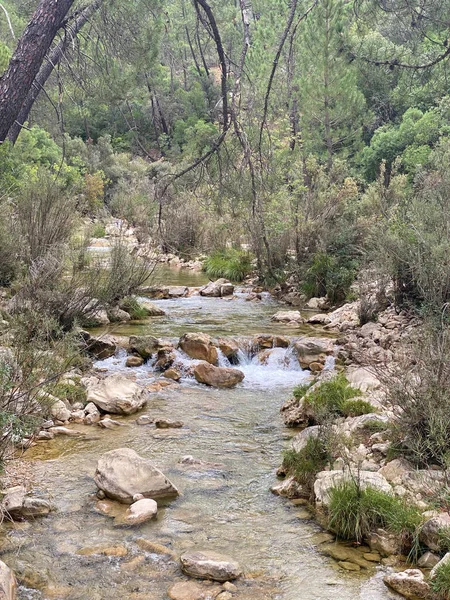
<point x="226" y="506"/>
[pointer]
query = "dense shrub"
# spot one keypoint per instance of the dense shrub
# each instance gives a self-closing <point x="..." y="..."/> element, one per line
<point x="311" y="459"/>
<point x="333" y="398"/>
<point x="354" y="512"/>
<point x="420" y="386"/>
<point x="329" y="275"/>
<point x="231" y="264"/>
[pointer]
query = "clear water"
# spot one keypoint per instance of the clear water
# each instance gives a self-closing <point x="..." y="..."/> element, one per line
<point x="227" y="506"/>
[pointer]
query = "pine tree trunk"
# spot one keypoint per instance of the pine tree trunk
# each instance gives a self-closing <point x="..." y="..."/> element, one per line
<point x="26" y="61"/>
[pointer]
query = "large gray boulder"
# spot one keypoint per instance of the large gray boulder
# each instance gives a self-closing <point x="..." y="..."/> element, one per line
<point x="122" y="473"/>
<point x="8" y="583"/>
<point x="116" y="394"/>
<point x="220" y="377"/>
<point x="217" y="289"/>
<point x="144" y="345"/>
<point x="205" y="564"/>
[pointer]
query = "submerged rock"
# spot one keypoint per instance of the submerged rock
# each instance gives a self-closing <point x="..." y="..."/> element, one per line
<point x="168" y="424"/>
<point x="134" y="361"/>
<point x="122" y="474"/>
<point x="220" y="377"/>
<point x="199" y="346"/>
<point x="205" y="564"/>
<point x="190" y="590"/>
<point x="116" y="394"/>
<point x="18" y="505"/>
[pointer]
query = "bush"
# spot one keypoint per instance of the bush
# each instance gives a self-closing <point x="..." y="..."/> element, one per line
<point x="68" y="391"/>
<point x="356" y="408"/>
<point x="45" y="213"/>
<point x="440" y="584"/>
<point x="300" y="390"/>
<point x="231" y="264"/>
<point x="329" y="399"/>
<point x="329" y="275"/>
<point x="420" y="386"/>
<point x="354" y="512"/>
<point x="99" y="231"/>
<point x="311" y="459"/>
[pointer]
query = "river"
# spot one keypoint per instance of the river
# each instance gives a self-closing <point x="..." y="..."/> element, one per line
<point x="227" y="506"/>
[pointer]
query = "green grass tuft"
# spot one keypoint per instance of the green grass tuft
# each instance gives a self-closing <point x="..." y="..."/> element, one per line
<point x="440" y="584"/>
<point x="355" y="512"/>
<point x="132" y="306"/>
<point x="311" y="459"/>
<point x="331" y="398"/>
<point x="300" y="390"/>
<point x="68" y="391"/>
<point x="230" y="263"/>
<point x="356" y="407"/>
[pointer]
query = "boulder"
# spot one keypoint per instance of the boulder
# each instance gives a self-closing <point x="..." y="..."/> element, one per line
<point x="116" y="394"/>
<point x="134" y="361"/>
<point x="410" y="584"/>
<point x="385" y="543"/>
<point x="100" y="347"/>
<point x="8" y="583"/>
<point x="301" y="439"/>
<point x="289" y="488"/>
<point x="122" y="473"/>
<point x="362" y="379"/>
<point x="144" y="345"/>
<point x="326" y="480"/>
<point x="58" y="410"/>
<point x="151" y="309"/>
<point x="217" y="289"/>
<point x="313" y="350"/>
<point x="428" y="560"/>
<point x="173" y="374"/>
<point x="288" y="316"/>
<point x="228" y="347"/>
<point x="394" y="470"/>
<point x="117" y="315"/>
<point x="430" y="533"/>
<point x="205" y="564"/>
<point x="199" y="346"/>
<point x="18" y="505"/>
<point x="177" y="291"/>
<point x="319" y="319"/>
<point x="165" y="358"/>
<point x="141" y="511"/>
<point x="220" y="377"/>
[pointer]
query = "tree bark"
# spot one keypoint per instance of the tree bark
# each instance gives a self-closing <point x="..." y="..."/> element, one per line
<point x="45" y="71"/>
<point x="27" y="59"/>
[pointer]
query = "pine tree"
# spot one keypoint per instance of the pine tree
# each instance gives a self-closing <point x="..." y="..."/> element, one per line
<point x="331" y="106"/>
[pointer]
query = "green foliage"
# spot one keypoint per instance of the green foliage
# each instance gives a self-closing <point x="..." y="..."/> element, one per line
<point x="132" y="306"/>
<point x="300" y="390"/>
<point x="98" y="231"/>
<point x="356" y="407"/>
<point x="330" y="276"/>
<point x="330" y="398"/>
<point x="354" y="512"/>
<point x="68" y="391"/>
<point x="440" y="584"/>
<point x="311" y="459"/>
<point x="230" y="263"/>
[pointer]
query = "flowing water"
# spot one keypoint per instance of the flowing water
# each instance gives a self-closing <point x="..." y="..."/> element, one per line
<point x="226" y="505"/>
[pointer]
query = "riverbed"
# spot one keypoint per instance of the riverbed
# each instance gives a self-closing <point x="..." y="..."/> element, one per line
<point x="225" y="505"/>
